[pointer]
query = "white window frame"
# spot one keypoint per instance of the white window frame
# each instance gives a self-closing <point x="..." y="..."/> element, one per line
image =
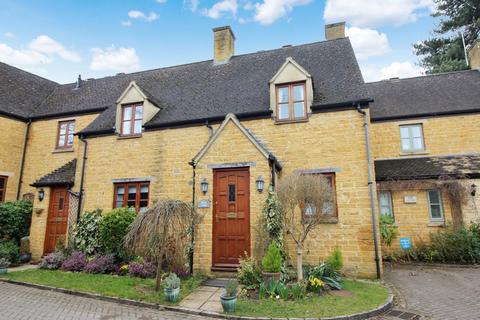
<point x="410" y="137"/>
<point x="390" y="203"/>
<point x="442" y="213"/>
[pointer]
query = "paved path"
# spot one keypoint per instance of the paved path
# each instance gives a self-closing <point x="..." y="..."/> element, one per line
<point x="204" y="298"/>
<point x="439" y="293"/>
<point x="24" y="303"/>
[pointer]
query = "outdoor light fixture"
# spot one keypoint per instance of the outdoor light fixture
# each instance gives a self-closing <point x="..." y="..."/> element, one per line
<point x="260" y="183"/>
<point x="204" y="185"/>
<point x="41" y="195"/>
<point x="473" y="189"/>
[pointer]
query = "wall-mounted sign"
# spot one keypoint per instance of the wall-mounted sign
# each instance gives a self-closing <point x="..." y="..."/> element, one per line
<point x="204" y="204"/>
<point x="410" y="199"/>
<point x="406" y="243"/>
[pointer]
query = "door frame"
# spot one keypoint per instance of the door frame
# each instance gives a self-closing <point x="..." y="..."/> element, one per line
<point x="214" y="207"/>
<point x="66" y="204"/>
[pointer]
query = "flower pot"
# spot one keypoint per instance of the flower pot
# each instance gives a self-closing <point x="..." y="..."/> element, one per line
<point x="3" y="270"/>
<point x="171" y="295"/>
<point x="271" y="276"/>
<point x="228" y="303"/>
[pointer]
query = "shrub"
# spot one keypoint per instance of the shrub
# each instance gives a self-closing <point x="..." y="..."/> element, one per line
<point x="451" y="245"/>
<point x="15" y="219"/>
<point x="100" y="264"/>
<point x="249" y="274"/>
<point x="335" y="260"/>
<point x="231" y="288"/>
<point x="113" y="228"/>
<point x="172" y="281"/>
<point x="9" y="250"/>
<point x="4" y="263"/>
<point x="325" y="273"/>
<point x="53" y="261"/>
<point x="142" y="270"/>
<point x="388" y="229"/>
<point x="76" y="262"/>
<point x="272" y="262"/>
<point x="85" y="233"/>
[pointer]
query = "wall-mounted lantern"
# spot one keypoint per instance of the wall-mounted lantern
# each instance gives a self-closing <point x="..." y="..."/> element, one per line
<point x="473" y="189"/>
<point x="204" y="185"/>
<point x="41" y="195"/>
<point x="260" y="184"/>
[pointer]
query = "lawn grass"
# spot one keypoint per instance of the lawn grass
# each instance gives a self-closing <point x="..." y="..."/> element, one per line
<point x="366" y="296"/>
<point x="106" y="285"/>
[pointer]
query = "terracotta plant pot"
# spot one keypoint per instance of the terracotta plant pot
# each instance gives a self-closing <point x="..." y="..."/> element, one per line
<point x="271" y="276"/>
<point x="229" y="304"/>
<point x="171" y="295"/>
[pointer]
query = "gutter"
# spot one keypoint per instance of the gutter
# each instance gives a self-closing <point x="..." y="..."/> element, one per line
<point x="425" y="115"/>
<point x="370" y="186"/>
<point x="22" y="163"/>
<point x="13" y="116"/>
<point x="82" y="177"/>
<point x="347" y="105"/>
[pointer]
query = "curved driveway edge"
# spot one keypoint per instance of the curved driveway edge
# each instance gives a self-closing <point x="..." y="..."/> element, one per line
<point x="386" y="306"/>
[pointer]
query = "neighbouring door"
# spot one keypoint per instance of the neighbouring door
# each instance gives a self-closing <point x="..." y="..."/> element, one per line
<point x="57" y="218"/>
<point x="231" y="217"/>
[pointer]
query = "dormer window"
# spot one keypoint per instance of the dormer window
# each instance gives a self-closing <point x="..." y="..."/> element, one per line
<point x="132" y="116"/>
<point x="291" y="102"/>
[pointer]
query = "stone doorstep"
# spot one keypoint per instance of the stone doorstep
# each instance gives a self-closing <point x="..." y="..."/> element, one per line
<point x="213" y="314"/>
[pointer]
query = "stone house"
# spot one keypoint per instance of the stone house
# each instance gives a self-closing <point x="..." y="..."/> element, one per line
<point x="218" y="132"/>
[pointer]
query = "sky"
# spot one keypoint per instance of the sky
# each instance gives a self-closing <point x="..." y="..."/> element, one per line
<point x="59" y="40"/>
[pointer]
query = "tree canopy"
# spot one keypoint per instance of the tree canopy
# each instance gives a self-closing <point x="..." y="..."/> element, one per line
<point x="444" y="51"/>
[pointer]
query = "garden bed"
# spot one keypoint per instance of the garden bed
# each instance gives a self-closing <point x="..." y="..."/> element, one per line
<point x="364" y="297"/>
<point x="106" y="285"/>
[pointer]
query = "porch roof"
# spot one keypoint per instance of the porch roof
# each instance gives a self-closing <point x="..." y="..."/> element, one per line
<point x="65" y="175"/>
<point x="455" y="166"/>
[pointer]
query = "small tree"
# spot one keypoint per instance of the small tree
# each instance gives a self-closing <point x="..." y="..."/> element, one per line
<point x="153" y="233"/>
<point x="303" y="198"/>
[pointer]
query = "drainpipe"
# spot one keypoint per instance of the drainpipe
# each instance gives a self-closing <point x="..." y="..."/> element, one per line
<point x="271" y="161"/>
<point x="209" y="128"/>
<point x="82" y="177"/>
<point x="192" y="242"/>
<point x="22" y="164"/>
<point x="370" y="185"/>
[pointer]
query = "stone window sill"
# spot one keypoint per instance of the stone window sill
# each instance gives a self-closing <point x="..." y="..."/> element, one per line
<point x="130" y="136"/>
<point x="290" y="121"/>
<point x="436" y="224"/>
<point x="63" y="150"/>
<point x="414" y="153"/>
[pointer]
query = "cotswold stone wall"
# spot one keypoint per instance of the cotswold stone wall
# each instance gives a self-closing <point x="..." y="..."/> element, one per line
<point x="42" y="158"/>
<point x="327" y="140"/>
<point x="11" y="142"/>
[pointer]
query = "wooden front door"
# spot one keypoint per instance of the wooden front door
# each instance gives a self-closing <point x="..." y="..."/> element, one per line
<point x="57" y="218"/>
<point x="231" y="217"/>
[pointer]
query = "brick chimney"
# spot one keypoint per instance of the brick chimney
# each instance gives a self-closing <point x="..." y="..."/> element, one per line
<point x="474" y="55"/>
<point x="223" y="44"/>
<point x="335" y="31"/>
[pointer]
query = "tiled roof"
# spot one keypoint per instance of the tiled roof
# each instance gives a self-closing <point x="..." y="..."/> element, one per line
<point x="65" y="175"/>
<point x="21" y="92"/>
<point x="461" y="166"/>
<point x="453" y="92"/>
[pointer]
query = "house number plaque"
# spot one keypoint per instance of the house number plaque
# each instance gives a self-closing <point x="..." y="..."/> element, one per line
<point x="204" y="204"/>
<point x="231" y="215"/>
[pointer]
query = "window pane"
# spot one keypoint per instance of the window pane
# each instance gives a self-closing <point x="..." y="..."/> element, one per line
<point x="385" y="203"/>
<point x="436" y="211"/>
<point x="143" y="204"/>
<point x="132" y="193"/>
<point x="138" y="126"/>
<point x="71" y="127"/>
<point x="416" y="132"/>
<point x="63" y="128"/>
<point x="310" y="210"/>
<point x="298" y="92"/>
<point x="327" y="207"/>
<point x="61" y="141"/>
<point x="433" y="197"/>
<point x="283" y="111"/>
<point x="138" y="112"/>
<point x="121" y="190"/>
<point x="404" y="133"/>
<point x="417" y="143"/>
<point x="127" y="113"/>
<point x="406" y="144"/>
<point x="144" y="192"/>
<point x="126" y="127"/>
<point x="70" y="139"/>
<point x="2" y="183"/>
<point x="231" y="193"/>
<point x="299" y="110"/>
<point x="119" y="204"/>
<point x="283" y="95"/>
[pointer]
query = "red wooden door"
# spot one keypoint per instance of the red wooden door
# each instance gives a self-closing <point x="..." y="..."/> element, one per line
<point x="231" y="217"/>
<point x="57" y="218"/>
